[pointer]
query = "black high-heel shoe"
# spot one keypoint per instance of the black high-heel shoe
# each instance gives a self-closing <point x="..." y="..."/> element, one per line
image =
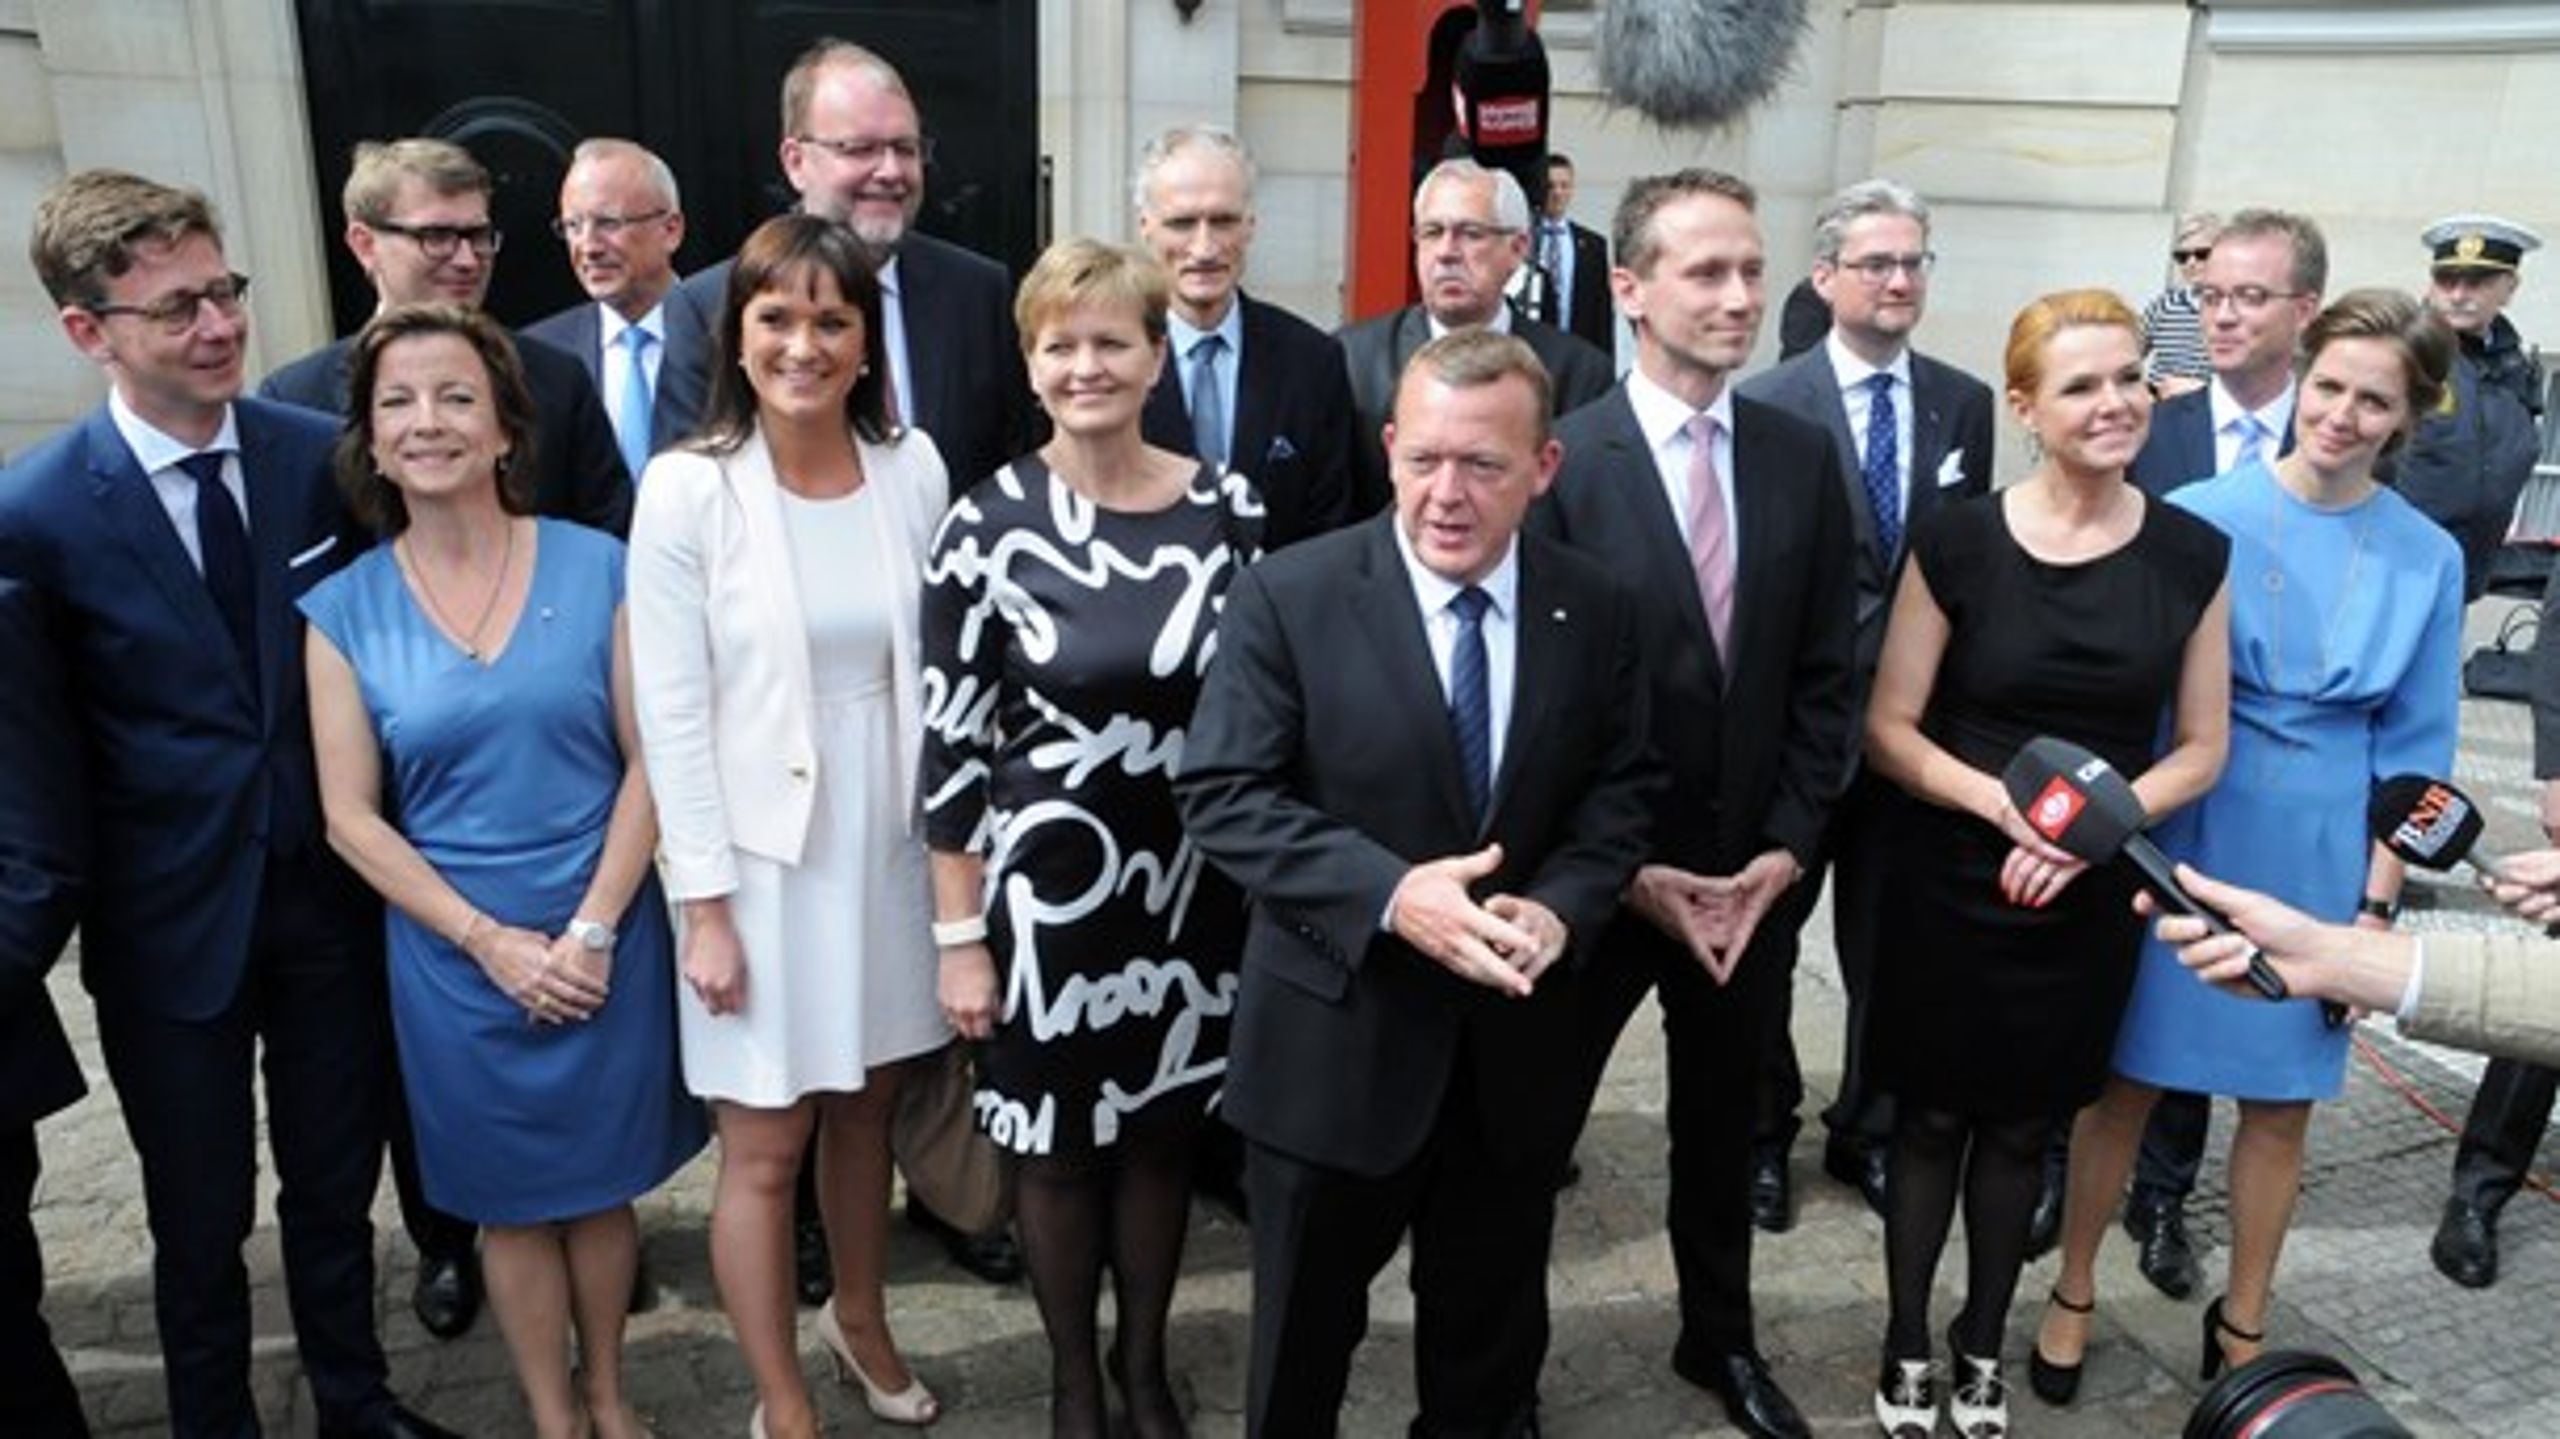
<point x="2058" y="1384"/>
<point x="2215" y="1326"/>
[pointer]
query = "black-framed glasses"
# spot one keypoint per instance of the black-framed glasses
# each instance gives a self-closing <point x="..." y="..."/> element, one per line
<point x="603" y="226"/>
<point x="2249" y="298"/>
<point x="2192" y="257"/>
<point x="438" y="242"/>
<point x="177" y="313"/>
<point x="907" y="149"/>
<point x="1878" y="269"/>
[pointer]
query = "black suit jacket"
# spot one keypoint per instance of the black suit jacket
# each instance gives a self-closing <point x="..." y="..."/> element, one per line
<point x="578" y="470"/>
<point x="191" y="769"/>
<point x="43" y="848"/>
<point x="1591" y="316"/>
<point x="1951" y="449"/>
<point x="1292" y="427"/>
<point x="2180" y="446"/>
<point x="964" y="357"/>
<point x="1757" y="742"/>
<point x="1319" y="767"/>
<point x="1375" y="351"/>
<point x="684" y="371"/>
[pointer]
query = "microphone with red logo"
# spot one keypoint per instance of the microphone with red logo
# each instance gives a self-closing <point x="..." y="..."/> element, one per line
<point x="2430" y="824"/>
<point x="2083" y="807"/>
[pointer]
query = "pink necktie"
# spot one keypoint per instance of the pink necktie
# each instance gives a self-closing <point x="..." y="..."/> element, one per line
<point x="1710" y="533"/>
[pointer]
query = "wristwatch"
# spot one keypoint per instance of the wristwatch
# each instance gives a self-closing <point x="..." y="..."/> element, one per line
<point x="593" y="935"/>
<point x="2382" y="909"/>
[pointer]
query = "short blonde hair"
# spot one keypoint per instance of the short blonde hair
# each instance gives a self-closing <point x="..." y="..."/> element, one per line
<point x="1076" y="274"/>
<point x="373" y="178"/>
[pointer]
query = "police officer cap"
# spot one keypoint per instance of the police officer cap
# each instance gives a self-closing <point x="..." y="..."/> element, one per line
<point x="2478" y="242"/>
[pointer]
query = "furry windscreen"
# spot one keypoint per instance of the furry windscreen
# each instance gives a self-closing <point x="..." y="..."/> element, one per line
<point x="1697" y="63"/>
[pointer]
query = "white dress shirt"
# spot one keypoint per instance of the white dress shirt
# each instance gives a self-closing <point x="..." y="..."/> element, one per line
<point x="1436" y="594"/>
<point x="1664" y="418"/>
<point x="614" y="376"/>
<point x="158" y="453"/>
<point x="1856" y="400"/>
<point x="893" y="338"/>
<point x="2275" y="421"/>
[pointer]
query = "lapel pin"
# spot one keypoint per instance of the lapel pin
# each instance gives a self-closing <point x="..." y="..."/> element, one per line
<point x="1559" y="616"/>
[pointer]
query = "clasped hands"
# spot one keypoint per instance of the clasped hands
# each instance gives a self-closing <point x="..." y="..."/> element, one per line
<point x="1505" y="943"/>
<point x="555" y="980"/>
<point x="1715" y="916"/>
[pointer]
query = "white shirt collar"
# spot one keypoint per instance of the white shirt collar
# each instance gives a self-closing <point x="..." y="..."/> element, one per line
<point x="1500" y="324"/>
<point x="1229" y="328"/>
<point x="1660" y="413"/>
<point x="610" y="324"/>
<point x="2274" y="417"/>
<point x="1433" y="591"/>
<point x="156" y="449"/>
<point x="1853" y="371"/>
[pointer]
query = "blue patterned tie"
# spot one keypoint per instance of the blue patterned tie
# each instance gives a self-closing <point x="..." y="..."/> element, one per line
<point x="1881" y="470"/>
<point x="1208" y="402"/>
<point x="2251" y="440"/>
<point x="633" y="431"/>
<point x="1470" y="707"/>
<point x="222" y="544"/>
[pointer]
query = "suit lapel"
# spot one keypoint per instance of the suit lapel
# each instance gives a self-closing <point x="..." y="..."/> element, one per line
<point x="272" y="536"/>
<point x="1541" y="631"/>
<point x="1823" y="396"/>
<point x="1249" y="434"/>
<point x="1757" y="491"/>
<point x="1928" y="444"/>
<point x="1391" y="621"/>
<point x="135" y="517"/>
<point x="1627" y="466"/>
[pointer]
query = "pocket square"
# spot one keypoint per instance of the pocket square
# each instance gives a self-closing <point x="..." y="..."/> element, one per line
<point x="327" y="543"/>
<point x="1951" y="470"/>
<point x="1280" y="449"/>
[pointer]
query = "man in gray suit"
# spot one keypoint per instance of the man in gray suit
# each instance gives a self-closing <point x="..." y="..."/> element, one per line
<point x="1470" y="234"/>
<point x="1910" y="434"/>
<point x="646" y="344"/>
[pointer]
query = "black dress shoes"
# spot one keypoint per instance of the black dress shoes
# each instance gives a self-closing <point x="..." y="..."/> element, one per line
<point x="447" y="1296"/>
<point x="398" y="1423"/>
<point x="2164" y="1254"/>
<point x="1773" y="1208"/>
<point x="1753" y="1402"/>
<point x="813" y="1274"/>
<point x="994" y="1258"/>
<point x="1861" y="1165"/>
<point x="2466" y="1245"/>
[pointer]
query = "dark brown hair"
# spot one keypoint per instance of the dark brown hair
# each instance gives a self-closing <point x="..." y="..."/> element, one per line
<point x="787" y="250"/>
<point x="87" y="227"/>
<point x="374" y="499"/>
<point x="2424" y="341"/>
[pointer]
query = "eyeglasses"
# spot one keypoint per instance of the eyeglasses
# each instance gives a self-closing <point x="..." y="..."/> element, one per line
<point x="438" y="242"/>
<point x="1467" y="232"/>
<point x="2191" y="257"/>
<point x="177" y="313"/>
<point x="1878" y="269"/>
<point x="909" y="150"/>
<point x="602" y="226"/>
<point x="2249" y="298"/>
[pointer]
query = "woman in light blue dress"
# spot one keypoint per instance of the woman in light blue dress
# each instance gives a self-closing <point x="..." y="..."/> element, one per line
<point x="478" y="764"/>
<point x="2346" y="620"/>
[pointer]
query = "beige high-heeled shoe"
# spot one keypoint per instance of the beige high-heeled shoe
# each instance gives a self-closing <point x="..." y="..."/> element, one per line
<point x="914" y="1405"/>
<point x="755" y="1424"/>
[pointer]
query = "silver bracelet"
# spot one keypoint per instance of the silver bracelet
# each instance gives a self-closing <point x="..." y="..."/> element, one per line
<point x="953" y="933"/>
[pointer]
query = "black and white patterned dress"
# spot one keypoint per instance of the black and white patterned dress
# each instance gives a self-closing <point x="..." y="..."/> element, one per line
<point x="1064" y="645"/>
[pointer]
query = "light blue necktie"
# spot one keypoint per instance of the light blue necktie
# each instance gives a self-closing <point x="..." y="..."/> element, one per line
<point x="633" y="431"/>
<point x="1470" y="702"/>
<point x="1208" y="402"/>
<point x="2253" y="441"/>
<point x="1881" y="471"/>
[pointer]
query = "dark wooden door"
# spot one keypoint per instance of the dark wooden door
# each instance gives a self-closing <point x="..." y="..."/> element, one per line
<point x="520" y="82"/>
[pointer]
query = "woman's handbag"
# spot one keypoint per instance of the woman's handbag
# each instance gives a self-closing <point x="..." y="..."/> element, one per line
<point x="959" y="1173"/>
<point x="2503" y="670"/>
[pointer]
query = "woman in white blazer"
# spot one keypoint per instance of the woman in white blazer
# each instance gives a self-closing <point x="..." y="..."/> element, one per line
<point x="775" y="561"/>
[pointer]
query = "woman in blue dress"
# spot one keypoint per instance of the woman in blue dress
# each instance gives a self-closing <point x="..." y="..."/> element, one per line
<point x="2346" y="620"/>
<point x="479" y="767"/>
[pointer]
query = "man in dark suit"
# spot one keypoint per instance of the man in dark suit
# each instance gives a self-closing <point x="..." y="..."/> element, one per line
<point x="418" y="222"/>
<point x="1470" y="233"/>
<point x="42" y="849"/>
<point x="1407" y="1014"/>
<point x="1575" y="263"/>
<point x="1277" y="405"/>
<point x="1731" y="519"/>
<point x="645" y="344"/>
<point x="2259" y="289"/>
<point x="161" y="542"/>
<point x="1910" y="433"/>
<point x="854" y="150"/>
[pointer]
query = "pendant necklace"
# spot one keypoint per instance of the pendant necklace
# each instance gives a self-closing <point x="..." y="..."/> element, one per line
<point x="468" y="641"/>
<point x="2281" y="497"/>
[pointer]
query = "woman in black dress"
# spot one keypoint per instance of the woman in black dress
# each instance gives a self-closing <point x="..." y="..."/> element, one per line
<point x="1070" y="610"/>
<point x="2070" y="605"/>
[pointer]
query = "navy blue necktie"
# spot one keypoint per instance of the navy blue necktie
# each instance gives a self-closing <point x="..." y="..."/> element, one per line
<point x="1470" y="706"/>
<point x="1881" y="470"/>
<point x="222" y="543"/>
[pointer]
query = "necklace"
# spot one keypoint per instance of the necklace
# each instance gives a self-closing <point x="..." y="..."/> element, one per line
<point x="2281" y="498"/>
<point x="468" y="641"/>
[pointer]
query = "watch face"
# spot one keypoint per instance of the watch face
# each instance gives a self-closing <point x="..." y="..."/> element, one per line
<point x="590" y="933"/>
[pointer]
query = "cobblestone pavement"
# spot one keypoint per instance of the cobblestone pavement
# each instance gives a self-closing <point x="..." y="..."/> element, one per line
<point x="2355" y="1279"/>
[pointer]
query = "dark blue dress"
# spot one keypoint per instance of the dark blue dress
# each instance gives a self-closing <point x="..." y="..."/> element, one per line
<point x="503" y="775"/>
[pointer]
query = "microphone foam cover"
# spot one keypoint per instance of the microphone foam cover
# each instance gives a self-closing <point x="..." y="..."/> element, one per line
<point x="1697" y="62"/>
<point x="2426" y="822"/>
<point x="2073" y="798"/>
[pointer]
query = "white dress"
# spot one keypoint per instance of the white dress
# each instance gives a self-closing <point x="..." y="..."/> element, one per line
<point x="839" y="947"/>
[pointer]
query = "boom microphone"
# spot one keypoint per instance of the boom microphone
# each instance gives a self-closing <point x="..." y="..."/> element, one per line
<point x="1697" y="62"/>
<point x="2430" y="824"/>
<point x="2083" y="807"/>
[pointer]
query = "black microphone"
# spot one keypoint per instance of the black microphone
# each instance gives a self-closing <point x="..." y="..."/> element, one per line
<point x="1697" y="62"/>
<point x="1499" y="85"/>
<point x="2083" y="807"/>
<point x="2430" y="824"/>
